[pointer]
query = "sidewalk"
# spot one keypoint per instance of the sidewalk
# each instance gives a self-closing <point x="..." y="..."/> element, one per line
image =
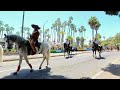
<point x="112" y="71"/>
<point x="16" y="57"/>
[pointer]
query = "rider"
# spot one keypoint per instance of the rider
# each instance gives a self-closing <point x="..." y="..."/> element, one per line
<point x="96" y="42"/>
<point x="67" y="42"/>
<point x="34" y="37"/>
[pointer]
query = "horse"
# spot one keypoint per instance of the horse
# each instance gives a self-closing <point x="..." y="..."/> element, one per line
<point x="23" y="47"/>
<point x="67" y="48"/>
<point x="96" y="48"/>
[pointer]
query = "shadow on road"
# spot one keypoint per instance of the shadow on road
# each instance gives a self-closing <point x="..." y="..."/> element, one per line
<point x="113" y="68"/>
<point x="99" y="58"/>
<point x="36" y="74"/>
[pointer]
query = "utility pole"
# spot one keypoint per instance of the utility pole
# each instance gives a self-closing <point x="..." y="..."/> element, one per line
<point x="23" y="23"/>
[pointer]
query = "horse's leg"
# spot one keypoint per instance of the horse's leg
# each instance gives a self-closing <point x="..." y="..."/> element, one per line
<point x="64" y="53"/>
<point x="47" y="58"/>
<point x="26" y="59"/>
<point x="42" y="61"/>
<point x="20" y="61"/>
<point x="93" y="53"/>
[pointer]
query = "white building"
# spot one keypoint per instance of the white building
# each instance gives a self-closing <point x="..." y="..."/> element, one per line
<point x="4" y="44"/>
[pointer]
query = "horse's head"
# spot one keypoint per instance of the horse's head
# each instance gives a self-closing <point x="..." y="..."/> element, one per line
<point x="9" y="41"/>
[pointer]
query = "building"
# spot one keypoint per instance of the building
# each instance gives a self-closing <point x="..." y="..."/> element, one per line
<point x="2" y="43"/>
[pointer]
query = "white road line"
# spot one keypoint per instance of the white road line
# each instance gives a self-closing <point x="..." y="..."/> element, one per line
<point x="100" y="72"/>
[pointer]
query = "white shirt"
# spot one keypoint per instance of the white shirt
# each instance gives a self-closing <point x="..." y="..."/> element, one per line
<point x="96" y="42"/>
<point x="67" y="42"/>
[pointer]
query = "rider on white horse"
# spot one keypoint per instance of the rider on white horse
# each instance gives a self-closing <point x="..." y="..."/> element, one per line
<point x="34" y="38"/>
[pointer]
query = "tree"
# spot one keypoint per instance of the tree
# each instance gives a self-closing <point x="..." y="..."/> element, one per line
<point x="80" y="31"/>
<point x="53" y="27"/>
<point x="92" y="22"/>
<point x="97" y="27"/>
<point x="69" y="23"/>
<point x="78" y="41"/>
<point x="62" y="33"/>
<point x="11" y="29"/>
<point x="58" y="26"/>
<point x="112" y="12"/>
<point x="71" y="39"/>
<point x="46" y="32"/>
<point x="48" y="37"/>
<point x="104" y="37"/>
<point x="18" y="33"/>
<point x="75" y="31"/>
<point x="63" y="26"/>
<point x="82" y="41"/>
<point x="28" y="32"/>
<point x="2" y="29"/>
<point x="7" y="28"/>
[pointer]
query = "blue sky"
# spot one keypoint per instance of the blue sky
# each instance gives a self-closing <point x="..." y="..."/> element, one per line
<point x="110" y="25"/>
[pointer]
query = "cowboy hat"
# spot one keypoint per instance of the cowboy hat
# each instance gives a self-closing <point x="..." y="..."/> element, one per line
<point x="35" y="26"/>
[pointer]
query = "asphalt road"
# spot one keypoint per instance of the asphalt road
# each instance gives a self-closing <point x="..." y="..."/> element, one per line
<point x="77" y="67"/>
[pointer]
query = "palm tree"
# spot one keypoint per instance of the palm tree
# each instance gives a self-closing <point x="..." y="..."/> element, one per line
<point x="7" y="28"/>
<point x="40" y="34"/>
<point x="104" y="37"/>
<point x="97" y="27"/>
<point x="62" y="33"/>
<point x="78" y="41"/>
<point x="28" y="32"/>
<point x="75" y="31"/>
<point x="54" y="30"/>
<point x="92" y="22"/>
<point x="18" y="33"/>
<point x="48" y="36"/>
<point x="58" y="23"/>
<point x="69" y="23"/>
<point x="72" y="26"/>
<point x="80" y="31"/>
<point x="46" y="32"/>
<point x="64" y="28"/>
<point x="11" y="29"/>
<point x="2" y="29"/>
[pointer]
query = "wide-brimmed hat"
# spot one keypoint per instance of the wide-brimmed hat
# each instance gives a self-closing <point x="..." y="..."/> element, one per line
<point x="35" y="26"/>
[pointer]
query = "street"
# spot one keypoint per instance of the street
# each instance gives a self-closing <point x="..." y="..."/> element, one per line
<point x="77" y="67"/>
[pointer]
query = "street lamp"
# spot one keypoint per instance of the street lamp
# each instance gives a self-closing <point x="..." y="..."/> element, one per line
<point x="23" y="22"/>
<point x="43" y="30"/>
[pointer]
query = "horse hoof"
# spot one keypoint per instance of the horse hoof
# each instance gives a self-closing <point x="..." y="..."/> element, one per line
<point x="15" y="73"/>
<point x="31" y="70"/>
<point x="39" y="67"/>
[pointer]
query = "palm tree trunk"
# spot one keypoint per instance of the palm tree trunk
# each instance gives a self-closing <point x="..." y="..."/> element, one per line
<point x="1" y="34"/>
<point x="84" y="34"/>
<point x="69" y="31"/>
<point x="96" y="33"/>
<point x="92" y="34"/>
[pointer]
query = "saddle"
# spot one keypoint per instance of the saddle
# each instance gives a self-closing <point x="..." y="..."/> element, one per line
<point x="29" y="48"/>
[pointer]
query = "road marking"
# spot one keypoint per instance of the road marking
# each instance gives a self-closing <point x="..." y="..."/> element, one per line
<point x="103" y="71"/>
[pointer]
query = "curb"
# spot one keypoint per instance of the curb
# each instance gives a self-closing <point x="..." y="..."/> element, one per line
<point x="40" y="57"/>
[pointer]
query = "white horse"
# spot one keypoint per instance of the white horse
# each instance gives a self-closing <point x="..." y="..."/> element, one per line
<point x="23" y="47"/>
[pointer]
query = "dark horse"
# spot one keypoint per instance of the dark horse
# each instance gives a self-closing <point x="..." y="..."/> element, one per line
<point x="96" y="47"/>
<point x="67" y="48"/>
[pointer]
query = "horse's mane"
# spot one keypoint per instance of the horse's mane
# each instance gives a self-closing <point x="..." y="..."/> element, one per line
<point x="16" y="38"/>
